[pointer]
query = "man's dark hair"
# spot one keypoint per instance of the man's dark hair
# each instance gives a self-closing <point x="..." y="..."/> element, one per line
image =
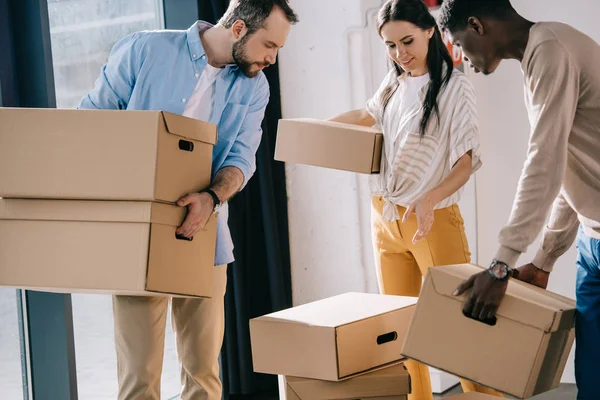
<point x="454" y="14"/>
<point x="255" y="12"/>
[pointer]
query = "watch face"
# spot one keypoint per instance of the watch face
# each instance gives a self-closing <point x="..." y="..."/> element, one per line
<point x="499" y="271"/>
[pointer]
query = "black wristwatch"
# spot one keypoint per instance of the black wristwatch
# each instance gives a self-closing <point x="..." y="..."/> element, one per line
<point x="216" y="200"/>
<point x="500" y="271"/>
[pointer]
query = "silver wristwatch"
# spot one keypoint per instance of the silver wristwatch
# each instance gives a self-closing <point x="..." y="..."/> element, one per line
<point x="500" y="271"/>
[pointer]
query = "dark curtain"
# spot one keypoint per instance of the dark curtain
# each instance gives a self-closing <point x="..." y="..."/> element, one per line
<point x="259" y="281"/>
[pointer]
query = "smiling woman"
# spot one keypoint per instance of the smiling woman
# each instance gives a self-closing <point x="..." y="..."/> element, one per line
<point x="426" y="110"/>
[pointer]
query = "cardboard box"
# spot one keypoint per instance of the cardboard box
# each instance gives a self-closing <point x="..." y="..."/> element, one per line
<point x="103" y="155"/>
<point x="523" y="354"/>
<point x="332" y="339"/>
<point x="103" y="247"/>
<point x="329" y="144"/>
<point x="472" y="396"/>
<point x="385" y="384"/>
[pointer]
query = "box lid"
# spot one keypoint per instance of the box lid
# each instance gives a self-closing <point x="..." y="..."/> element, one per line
<point x="341" y="310"/>
<point x="392" y="380"/>
<point x="523" y="303"/>
<point x="91" y="211"/>
<point x="190" y="128"/>
<point x="334" y="124"/>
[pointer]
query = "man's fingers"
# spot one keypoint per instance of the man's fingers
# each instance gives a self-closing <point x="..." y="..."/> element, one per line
<point x="184" y="201"/>
<point x="491" y="313"/>
<point x="482" y="315"/>
<point x="466" y="285"/>
<point x="468" y="307"/>
<point x="187" y="228"/>
<point x="477" y="309"/>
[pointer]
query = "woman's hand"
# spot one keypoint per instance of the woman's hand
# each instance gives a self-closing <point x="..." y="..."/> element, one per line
<point x="423" y="208"/>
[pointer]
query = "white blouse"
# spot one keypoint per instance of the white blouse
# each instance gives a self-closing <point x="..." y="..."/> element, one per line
<point x="412" y="165"/>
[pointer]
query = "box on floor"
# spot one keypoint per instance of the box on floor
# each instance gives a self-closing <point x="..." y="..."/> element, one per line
<point x="332" y="339"/>
<point x="103" y="154"/>
<point x="390" y="383"/>
<point x="329" y="144"/>
<point x="131" y="248"/>
<point x="523" y="354"/>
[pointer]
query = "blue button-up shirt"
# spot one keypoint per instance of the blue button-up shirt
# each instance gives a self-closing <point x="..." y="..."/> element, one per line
<point x="159" y="70"/>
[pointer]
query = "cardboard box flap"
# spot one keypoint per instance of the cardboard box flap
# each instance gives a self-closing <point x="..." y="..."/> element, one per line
<point x="91" y="211"/>
<point x="523" y="303"/>
<point x="190" y="128"/>
<point x="393" y="380"/>
<point x="341" y="310"/>
<point x="341" y="125"/>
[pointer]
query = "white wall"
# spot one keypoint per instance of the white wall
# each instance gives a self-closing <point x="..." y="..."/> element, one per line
<point x="328" y="243"/>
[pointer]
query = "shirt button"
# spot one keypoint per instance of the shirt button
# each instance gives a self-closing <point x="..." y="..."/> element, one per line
<point x="194" y="56"/>
<point x="203" y="56"/>
<point x="197" y="75"/>
<point x="183" y="100"/>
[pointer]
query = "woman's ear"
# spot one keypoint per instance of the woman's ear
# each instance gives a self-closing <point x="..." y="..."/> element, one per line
<point x="430" y="32"/>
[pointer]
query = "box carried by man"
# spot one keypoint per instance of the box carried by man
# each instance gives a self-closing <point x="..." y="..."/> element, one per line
<point x="115" y="247"/>
<point x="523" y="352"/>
<point x="103" y="155"/>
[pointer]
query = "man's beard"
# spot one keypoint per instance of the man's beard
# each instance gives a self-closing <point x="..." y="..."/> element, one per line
<point x="241" y="60"/>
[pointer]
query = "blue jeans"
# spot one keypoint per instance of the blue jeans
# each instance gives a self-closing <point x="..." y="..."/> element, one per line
<point x="587" y="325"/>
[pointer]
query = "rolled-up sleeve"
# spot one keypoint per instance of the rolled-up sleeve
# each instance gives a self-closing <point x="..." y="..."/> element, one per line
<point x="464" y="130"/>
<point x="243" y="150"/>
<point x="117" y="78"/>
<point x="559" y="234"/>
<point x="374" y="105"/>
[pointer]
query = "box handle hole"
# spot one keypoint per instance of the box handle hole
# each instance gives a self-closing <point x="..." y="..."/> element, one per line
<point x="186" y="145"/>
<point x="386" y="338"/>
<point x="181" y="237"/>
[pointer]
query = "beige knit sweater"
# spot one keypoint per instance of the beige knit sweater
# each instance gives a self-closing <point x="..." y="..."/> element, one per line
<point x="561" y="176"/>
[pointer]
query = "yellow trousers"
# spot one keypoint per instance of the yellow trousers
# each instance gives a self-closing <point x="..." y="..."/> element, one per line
<point x="402" y="265"/>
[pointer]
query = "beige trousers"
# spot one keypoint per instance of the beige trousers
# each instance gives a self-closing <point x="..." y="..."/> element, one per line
<point x="199" y="324"/>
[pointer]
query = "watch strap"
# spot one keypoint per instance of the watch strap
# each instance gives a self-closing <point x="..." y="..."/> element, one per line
<point x="216" y="200"/>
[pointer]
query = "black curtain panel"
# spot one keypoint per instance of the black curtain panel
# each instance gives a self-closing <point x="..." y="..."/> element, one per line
<point x="259" y="281"/>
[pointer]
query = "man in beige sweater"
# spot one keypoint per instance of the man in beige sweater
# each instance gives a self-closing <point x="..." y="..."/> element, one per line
<point x="561" y="177"/>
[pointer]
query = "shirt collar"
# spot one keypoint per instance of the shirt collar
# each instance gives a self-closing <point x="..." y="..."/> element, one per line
<point x="195" y="44"/>
<point x="425" y="87"/>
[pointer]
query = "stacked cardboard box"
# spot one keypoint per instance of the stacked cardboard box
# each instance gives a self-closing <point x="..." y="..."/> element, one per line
<point x="329" y="144"/>
<point x="89" y="201"/>
<point x="390" y="383"/>
<point x="346" y="338"/>
<point x="522" y="353"/>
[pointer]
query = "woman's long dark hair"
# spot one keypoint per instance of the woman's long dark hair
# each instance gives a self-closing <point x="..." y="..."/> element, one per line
<point x="417" y="13"/>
